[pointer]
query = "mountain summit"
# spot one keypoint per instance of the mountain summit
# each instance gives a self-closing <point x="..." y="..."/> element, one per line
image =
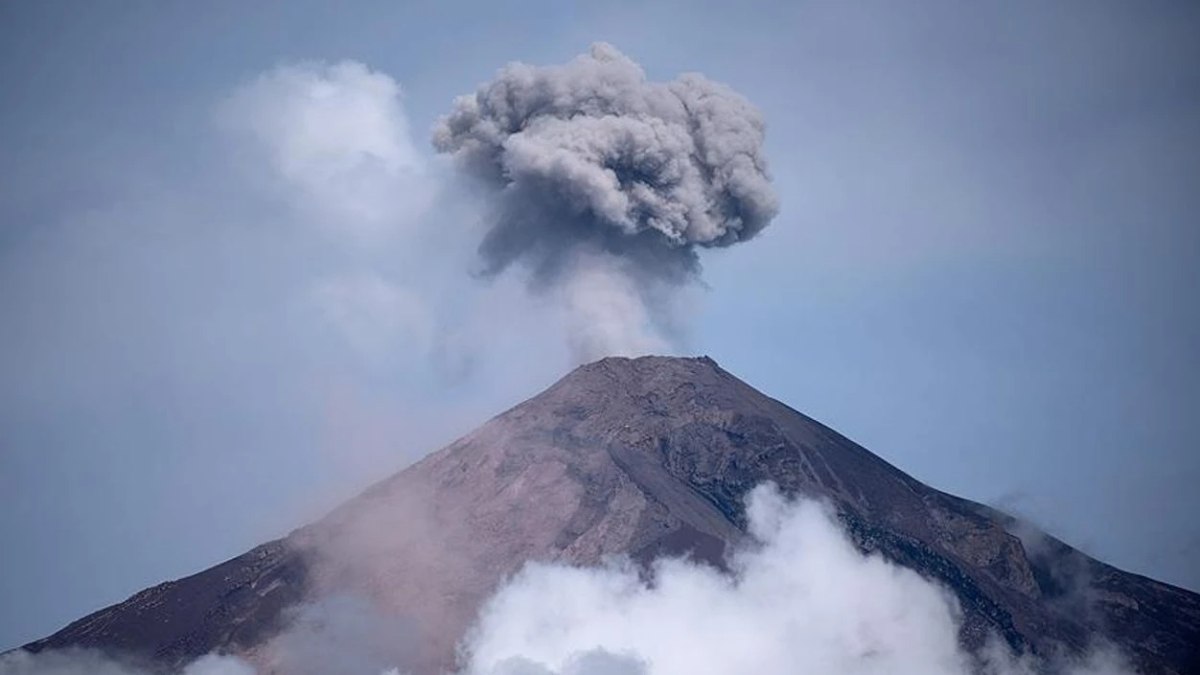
<point x="642" y="457"/>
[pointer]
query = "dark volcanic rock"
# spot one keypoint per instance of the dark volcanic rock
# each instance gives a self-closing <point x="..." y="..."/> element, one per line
<point x="643" y="457"/>
<point x="231" y="607"/>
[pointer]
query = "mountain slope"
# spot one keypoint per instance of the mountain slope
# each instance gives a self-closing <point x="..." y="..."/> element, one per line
<point x="642" y="457"/>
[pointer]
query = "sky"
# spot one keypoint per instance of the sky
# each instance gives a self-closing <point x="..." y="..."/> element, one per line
<point x="238" y="283"/>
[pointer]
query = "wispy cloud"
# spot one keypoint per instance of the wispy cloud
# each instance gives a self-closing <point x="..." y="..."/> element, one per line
<point x="337" y="139"/>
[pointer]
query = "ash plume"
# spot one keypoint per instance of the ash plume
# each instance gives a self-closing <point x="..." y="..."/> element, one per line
<point x="592" y="157"/>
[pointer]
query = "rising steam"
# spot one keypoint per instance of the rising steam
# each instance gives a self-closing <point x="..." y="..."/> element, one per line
<point x="592" y="157"/>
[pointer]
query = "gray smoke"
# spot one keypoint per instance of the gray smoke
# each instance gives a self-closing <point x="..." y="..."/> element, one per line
<point x="591" y="160"/>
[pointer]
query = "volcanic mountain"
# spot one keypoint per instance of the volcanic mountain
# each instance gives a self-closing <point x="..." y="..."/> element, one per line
<point x="642" y="457"/>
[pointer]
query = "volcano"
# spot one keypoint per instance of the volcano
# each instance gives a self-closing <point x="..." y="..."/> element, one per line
<point x="645" y="458"/>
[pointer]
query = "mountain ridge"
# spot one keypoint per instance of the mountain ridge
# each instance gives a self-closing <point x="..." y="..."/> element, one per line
<point x="642" y="457"/>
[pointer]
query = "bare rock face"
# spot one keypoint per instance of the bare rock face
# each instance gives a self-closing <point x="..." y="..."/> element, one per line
<point x="640" y="457"/>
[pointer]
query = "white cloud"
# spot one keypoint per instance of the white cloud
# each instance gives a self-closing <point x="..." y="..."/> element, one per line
<point x="333" y="140"/>
<point x="337" y="138"/>
<point x="212" y="664"/>
<point x="803" y="601"/>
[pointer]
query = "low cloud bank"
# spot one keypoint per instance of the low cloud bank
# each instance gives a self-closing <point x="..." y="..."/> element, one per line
<point x="87" y="662"/>
<point x="802" y="600"/>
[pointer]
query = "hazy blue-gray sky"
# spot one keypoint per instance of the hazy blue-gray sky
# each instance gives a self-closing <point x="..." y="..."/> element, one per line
<point x="215" y="323"/>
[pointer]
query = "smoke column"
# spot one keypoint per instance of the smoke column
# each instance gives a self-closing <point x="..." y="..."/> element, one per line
<point x="590" y="165"/>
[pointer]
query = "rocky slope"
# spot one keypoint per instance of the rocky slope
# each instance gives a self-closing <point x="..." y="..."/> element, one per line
<point x="642" y="457"/>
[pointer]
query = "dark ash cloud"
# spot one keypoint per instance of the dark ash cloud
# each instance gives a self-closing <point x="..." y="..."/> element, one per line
<point x="592" y="156"/>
